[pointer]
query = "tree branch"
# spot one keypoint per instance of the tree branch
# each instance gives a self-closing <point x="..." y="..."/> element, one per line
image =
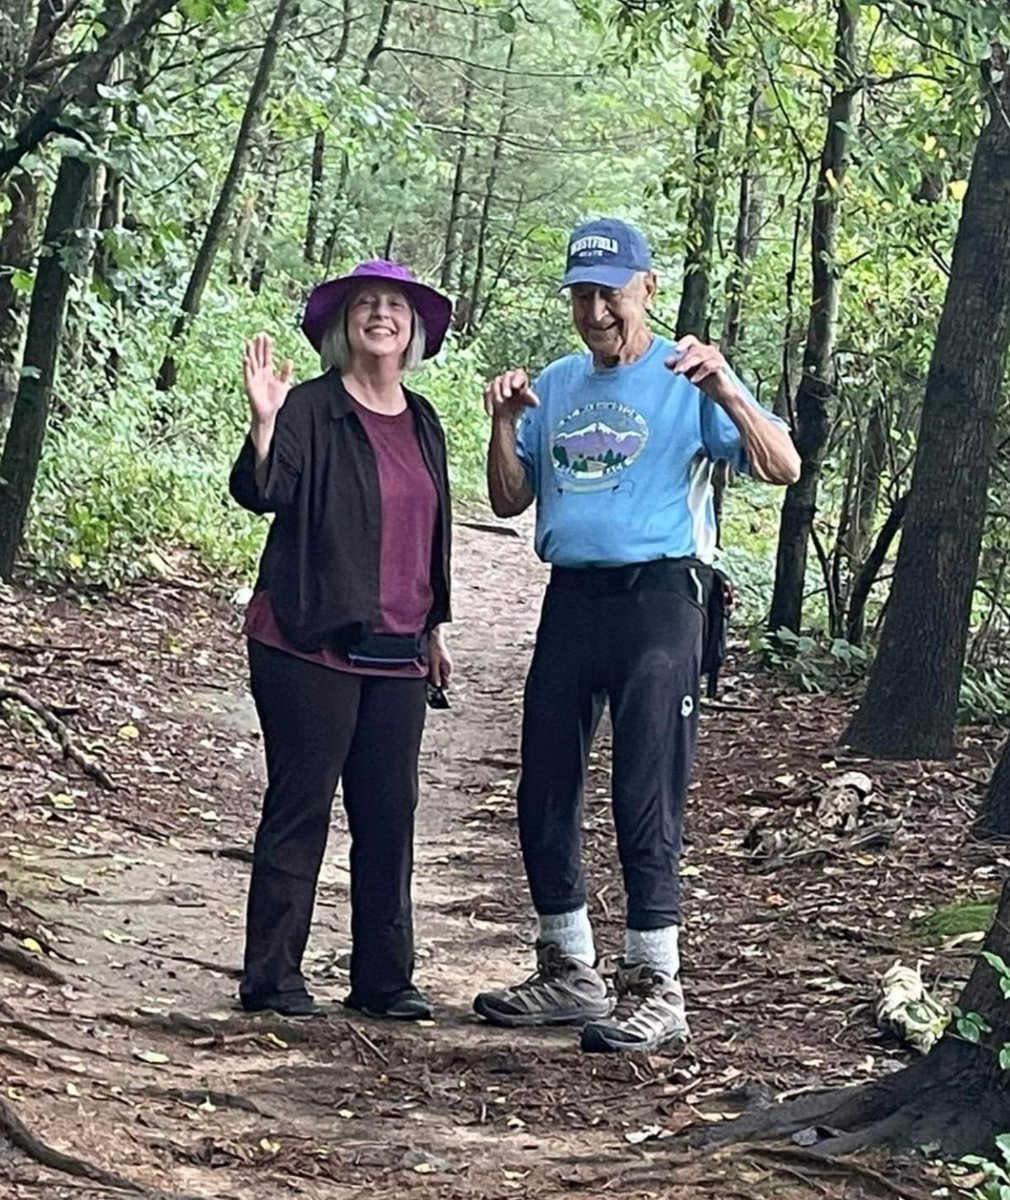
<point x="84" y="75"/>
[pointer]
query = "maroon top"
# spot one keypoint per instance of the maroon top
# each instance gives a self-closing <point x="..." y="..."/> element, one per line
<point x="409" y="510"/>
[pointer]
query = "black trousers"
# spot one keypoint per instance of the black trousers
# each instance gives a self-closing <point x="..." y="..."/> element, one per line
<point x="635" y="638"/>
<point x="321" y="726"/>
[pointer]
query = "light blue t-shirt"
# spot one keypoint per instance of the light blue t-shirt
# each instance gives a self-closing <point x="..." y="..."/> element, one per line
<point x="620" y="461"/>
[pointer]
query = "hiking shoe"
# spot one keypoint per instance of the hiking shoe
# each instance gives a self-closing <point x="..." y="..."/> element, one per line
<point x="288" y="1006"/>
<point x="561" y="991"/>
<point x="649" y="1013"/>
<point x="408" y="1005"/>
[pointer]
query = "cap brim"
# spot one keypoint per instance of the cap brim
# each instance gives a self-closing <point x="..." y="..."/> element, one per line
<point x="601" y="274"/>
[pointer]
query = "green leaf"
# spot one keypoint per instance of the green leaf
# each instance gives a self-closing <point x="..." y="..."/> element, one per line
<point x="506" y="22"/>
<point x="1004" y="1058"/>
<point x="997" y="964"/>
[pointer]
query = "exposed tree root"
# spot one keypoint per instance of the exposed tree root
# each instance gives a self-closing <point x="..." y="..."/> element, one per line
<point x="29" y="964"/>
<point x="944" y="1101"/>
<point x="784" y="1155"/>
<point x="203" y="1096"/>
<point x="61" y="732"/>
<point x="22" y="1138"/>
<point x="180" y="1023"/>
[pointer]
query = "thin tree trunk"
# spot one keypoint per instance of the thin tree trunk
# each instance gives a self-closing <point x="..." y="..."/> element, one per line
<point x="484" y="224"/>
<point x="285" y="12"/>
<point x="994" y="815"/>
<point x="18" y="233"/>
<point x="866" y="576"/>
<point x="816" y="395"/>
<point x="449" y="252"/>
<point x="748" y="220"/>
<point x="17" y="254"/>
<point x="317" y="174"/>
<point x="268" y="207"/>
<point x="693" y="314"/>
<point x="910" y="706"/>
<point x="337" y="204"/>
<point x="23" y="445"/>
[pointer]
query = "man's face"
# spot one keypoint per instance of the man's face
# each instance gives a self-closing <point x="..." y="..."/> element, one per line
<point x="608" y="319"/>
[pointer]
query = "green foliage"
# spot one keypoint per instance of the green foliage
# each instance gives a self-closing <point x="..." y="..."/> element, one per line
<point x="814" y="664"/>
<point x="997" y="1174"/>
<point x="985" y="695"/>
<point x="971" y="1026"/>
<point x="969" y="915"/>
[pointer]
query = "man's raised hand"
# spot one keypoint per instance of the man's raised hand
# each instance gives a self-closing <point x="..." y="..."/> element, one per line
<point x="704" y="366"/>
<point x="508" y="394"/>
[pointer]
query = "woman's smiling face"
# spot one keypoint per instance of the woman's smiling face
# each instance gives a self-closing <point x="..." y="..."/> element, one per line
<point x="380" y="321"/>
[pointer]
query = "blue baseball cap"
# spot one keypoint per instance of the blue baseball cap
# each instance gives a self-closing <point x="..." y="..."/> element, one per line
<point x="607" y="252"/>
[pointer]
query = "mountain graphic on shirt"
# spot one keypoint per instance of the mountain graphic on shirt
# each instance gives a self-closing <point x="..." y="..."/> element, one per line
<point x="595" y="448"/>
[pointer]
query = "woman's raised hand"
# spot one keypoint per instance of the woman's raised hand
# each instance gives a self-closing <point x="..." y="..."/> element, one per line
<point x="265" y="391"/>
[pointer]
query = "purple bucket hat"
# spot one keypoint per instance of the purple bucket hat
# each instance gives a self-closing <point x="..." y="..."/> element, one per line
<point x="326" y="299"/>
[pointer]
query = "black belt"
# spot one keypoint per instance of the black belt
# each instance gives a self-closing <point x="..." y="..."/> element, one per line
<point x="689" y="576"/>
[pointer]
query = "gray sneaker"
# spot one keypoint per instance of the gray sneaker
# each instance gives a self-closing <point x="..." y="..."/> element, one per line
<point x="649" y="1013"/>
<point x="561" y="991"/>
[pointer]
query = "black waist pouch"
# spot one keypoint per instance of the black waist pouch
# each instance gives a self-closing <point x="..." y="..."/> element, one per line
<point x="385" y="651"/>
<point x="717" y="610"/>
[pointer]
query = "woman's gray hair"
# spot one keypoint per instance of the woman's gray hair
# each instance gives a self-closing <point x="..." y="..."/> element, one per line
<point x="335" y="348"/>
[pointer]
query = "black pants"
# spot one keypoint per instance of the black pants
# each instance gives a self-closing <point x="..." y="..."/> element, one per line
<point x="637" y="640"/>
<point x="320" y="726"/>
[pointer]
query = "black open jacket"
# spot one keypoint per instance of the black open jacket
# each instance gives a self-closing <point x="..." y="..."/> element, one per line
<point x="321" y="559"/>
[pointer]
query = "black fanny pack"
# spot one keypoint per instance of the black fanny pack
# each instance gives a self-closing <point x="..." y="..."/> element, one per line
<point x="385" y="651"/>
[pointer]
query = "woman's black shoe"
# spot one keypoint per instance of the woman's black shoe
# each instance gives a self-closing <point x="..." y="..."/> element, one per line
<point x="293" y="1006"/>
<point x="408" y="1005"/>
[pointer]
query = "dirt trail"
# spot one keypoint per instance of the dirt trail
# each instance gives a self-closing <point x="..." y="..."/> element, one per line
<point x="132" y="1055"/>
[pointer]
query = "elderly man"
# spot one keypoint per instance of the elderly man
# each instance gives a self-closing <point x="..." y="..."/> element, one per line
<point x="616" y="447"/>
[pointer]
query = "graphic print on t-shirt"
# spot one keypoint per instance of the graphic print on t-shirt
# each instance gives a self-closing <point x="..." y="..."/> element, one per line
<point x="591" y="445"/>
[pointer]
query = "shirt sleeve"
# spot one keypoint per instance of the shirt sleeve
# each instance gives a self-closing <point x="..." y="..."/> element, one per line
<point x="723" y="441"/>
<point x="276" y="487"/>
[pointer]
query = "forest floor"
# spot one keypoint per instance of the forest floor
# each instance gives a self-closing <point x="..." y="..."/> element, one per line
<point x="121" y="931"/>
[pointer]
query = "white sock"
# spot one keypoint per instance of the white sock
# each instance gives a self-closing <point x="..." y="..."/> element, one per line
<point x="571" y="932"/>
<point x="659" y="948"/>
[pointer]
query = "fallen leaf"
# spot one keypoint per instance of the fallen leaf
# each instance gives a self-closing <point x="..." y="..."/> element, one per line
<point x="129" y="732"/>
<point x="31" y="944"/>
<point x="424" y="1168"/>
<point x="269" y="1146"/>
<point x="155" y="1057"/>
<point x="274" y="1040"/>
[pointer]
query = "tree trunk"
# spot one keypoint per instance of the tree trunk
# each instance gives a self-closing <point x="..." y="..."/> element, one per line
<point x="337" y="204"/>
<point x="748" y="221"/>
<point x="955" y="1100"/>
<point x="484" y="224"/>
<point x="693" y="314"/>
<point x="816" y="394"/>
<point x="318" y="169"/>
<point x="17" y="253"/>
<point x="866" y="576"/>
<point x="994" y="815"/>
<point x="30" y="40"/>
<point x="316" y="177"/>
<point x="450" y="248"/>
<point x="910" y="706"/>
<point x="23" y="445"/>
<point x="268" y="206"/>
<point x="286" y="11"/>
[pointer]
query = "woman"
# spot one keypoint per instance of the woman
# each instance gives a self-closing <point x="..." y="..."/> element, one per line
<point x="345" y="627"/>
